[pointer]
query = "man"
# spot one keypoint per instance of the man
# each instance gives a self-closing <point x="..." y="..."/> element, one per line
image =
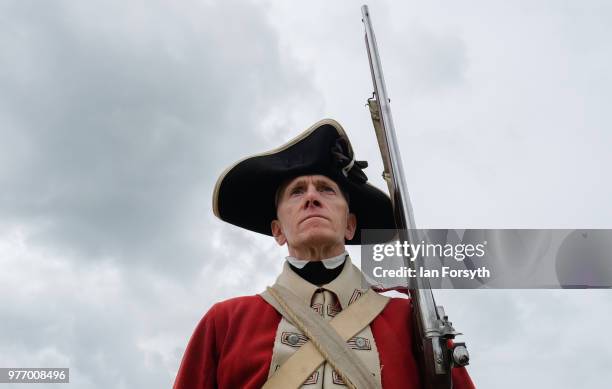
<point x="312" y="195"/>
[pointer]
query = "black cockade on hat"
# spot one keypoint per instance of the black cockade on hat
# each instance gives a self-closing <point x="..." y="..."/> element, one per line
<point x="345" y="161"/>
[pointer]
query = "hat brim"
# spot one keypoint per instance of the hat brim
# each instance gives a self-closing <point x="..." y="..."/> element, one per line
<point x="244" y="193"/>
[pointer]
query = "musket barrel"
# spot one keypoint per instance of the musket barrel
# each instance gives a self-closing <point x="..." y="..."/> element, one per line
<point x="400" y="197"/>
<point x="400" y="194"/>
<point x="433" y="327"/>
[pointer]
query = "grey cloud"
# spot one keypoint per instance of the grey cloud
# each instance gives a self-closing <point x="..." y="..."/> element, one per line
<point x="121" y="116"/>
<point x="116" y="326"/>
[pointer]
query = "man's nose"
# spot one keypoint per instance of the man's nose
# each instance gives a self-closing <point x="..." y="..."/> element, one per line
<point x="312" y="197"/>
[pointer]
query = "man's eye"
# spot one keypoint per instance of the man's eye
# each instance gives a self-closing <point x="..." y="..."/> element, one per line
<point x="297" y="190"/>
<point x="328" y="189"/>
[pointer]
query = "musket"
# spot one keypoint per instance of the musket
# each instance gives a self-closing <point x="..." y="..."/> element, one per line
<point x="435" y="354"/>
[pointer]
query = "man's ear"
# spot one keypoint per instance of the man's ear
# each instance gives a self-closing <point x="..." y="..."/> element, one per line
<point x="277" y="232"/>
<point x="351" y="226"/>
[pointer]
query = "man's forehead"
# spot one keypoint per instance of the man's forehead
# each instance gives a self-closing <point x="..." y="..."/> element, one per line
<point x="316" y="179"/>
<point x="310" y="178"/>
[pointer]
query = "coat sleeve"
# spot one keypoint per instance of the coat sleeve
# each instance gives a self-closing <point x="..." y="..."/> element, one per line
<point x="198" y="368"/>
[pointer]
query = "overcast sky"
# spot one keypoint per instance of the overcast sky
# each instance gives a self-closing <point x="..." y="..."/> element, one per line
<point x="117" y="117"/>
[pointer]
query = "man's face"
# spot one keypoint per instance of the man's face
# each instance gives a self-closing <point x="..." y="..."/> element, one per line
<point x="312" y="213"/>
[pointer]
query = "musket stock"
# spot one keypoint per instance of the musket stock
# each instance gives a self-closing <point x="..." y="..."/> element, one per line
<point x="433" y="330"/>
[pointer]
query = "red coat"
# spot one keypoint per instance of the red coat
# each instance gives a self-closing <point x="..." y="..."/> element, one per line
<point x="232" y="347"/>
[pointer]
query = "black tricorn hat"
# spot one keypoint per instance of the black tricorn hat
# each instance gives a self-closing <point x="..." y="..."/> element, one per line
<point x="244" y="194"/>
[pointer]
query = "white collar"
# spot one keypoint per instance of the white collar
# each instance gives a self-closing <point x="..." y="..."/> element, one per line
<point x="329" y="263"/>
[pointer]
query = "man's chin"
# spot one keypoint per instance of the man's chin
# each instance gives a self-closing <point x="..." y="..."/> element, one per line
<point x="320" y="239"/>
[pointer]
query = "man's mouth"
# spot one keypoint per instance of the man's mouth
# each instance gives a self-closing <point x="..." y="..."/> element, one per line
<point x="313" y="216"/>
